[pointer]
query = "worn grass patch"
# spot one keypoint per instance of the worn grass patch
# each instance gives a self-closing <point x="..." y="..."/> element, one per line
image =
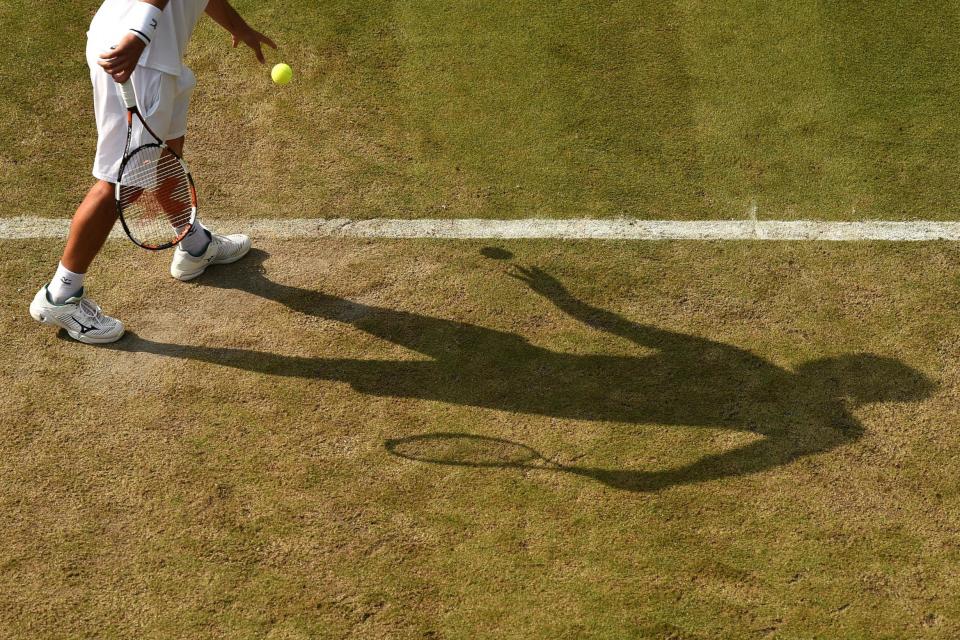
<point x="519" y="109"/>
<point x="399" y="439"/>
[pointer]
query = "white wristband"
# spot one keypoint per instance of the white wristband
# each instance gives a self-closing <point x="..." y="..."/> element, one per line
<point x="143" y="20"/>
<point x="143" y="38"/>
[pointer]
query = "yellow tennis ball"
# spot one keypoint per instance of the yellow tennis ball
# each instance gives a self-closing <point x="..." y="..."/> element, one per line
<point x="281" y="73"/>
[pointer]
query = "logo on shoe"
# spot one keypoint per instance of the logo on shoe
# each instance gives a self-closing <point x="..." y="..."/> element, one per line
<point x="83" y="328"/>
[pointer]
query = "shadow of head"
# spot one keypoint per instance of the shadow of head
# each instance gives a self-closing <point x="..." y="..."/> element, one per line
<point x="862" y="378"/>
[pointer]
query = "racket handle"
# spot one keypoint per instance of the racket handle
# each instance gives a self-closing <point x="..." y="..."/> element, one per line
<point x="128" y="95"/>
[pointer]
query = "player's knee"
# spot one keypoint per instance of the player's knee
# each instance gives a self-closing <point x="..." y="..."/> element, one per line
<point x="103" y="189"/>
<point x="176" y="145"/>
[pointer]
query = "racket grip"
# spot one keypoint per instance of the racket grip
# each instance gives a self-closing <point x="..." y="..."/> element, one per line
<point x="128" y="95"/>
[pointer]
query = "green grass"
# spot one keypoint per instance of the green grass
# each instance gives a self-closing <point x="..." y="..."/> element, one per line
<point x="262" y="456"/>
<point x="397" y="439"/>
<point x="829" y="110"/>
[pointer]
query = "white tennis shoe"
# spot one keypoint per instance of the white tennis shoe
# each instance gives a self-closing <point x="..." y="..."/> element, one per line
<point x="221" y="250"/>
<point x="80" y="316"/>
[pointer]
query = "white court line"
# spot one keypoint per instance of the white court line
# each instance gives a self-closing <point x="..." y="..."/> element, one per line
<point x="575" y="229"/>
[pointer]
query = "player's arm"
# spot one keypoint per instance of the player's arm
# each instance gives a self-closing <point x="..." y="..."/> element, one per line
<point x="228" y="18"/>
<point x="122" y="59"/>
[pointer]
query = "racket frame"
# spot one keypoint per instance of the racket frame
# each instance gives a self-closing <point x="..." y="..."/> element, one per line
<point x="130" y="101"/>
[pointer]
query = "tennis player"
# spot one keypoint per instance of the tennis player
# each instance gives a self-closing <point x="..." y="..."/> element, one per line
<point x="148" y="37"/>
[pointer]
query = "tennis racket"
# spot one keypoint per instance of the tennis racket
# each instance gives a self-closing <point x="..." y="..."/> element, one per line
<point x="156" y="197"/>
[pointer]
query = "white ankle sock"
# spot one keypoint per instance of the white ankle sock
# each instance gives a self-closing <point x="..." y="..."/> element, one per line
<point x="196" y="241"/>
<point x="65" y="285"/>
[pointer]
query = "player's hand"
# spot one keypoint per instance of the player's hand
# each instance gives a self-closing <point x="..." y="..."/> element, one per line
<point x="253" y="39"/>
<point x="122" y="59"/>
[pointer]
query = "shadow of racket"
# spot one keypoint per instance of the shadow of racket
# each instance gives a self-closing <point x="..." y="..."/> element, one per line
<point x="468" y="450"/>
<point x="485" y="452"/>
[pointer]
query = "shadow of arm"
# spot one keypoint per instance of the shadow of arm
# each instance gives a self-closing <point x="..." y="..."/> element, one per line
<point x="768" y="453"/>
<point x="600" y="319"/>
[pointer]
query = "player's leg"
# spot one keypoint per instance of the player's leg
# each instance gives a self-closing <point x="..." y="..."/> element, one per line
<point x="63" y="301"/>
<point x="201" y="247"/>
<point x="90" y="227"/>
<point x="171" y="194"/>
<point x="197" y="240"/>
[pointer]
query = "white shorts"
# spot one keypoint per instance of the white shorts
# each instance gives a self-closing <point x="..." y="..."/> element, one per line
<point x="163" y="100"/>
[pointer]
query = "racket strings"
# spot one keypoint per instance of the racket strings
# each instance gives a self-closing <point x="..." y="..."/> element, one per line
<point x="157" y="200"/>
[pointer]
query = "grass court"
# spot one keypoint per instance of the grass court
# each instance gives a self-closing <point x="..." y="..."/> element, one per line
<point x="415" y="438"/>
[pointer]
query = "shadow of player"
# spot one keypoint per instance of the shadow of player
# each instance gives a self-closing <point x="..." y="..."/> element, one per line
<point x="687" y="380"/>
